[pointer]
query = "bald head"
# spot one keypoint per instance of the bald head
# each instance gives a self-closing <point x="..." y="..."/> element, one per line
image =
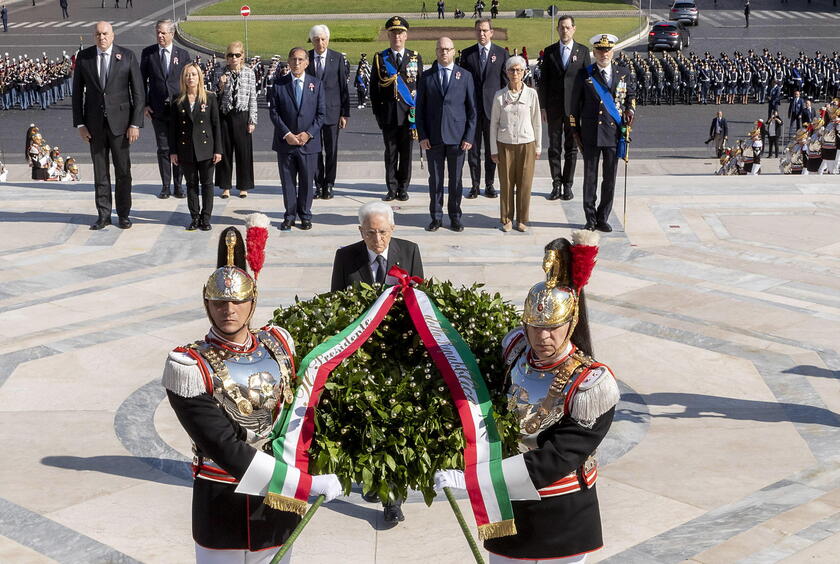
<point x="445" y="51"/>
<point x="103" y="36"/>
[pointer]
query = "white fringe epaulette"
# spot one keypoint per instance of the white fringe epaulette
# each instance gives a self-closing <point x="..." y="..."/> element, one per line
<point x="182" y="376"/>
<point x="596" y="395"/>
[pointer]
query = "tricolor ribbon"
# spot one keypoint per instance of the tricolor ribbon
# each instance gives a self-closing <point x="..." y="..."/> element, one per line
<point x="292" y="433"/>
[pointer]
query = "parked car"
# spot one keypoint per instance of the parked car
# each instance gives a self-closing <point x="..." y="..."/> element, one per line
<point x="672" y="36"/>
<point x="685" y="11"/>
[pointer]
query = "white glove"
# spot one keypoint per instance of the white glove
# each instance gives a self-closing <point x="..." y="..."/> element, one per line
<point x="326" y="484"/>
<point x="453" y="479"/>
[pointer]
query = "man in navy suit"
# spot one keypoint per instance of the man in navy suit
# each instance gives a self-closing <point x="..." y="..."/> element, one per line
<point x="330" y="67"/>
<point x="486" y="62"/>
<point x="108" y="101"/>
<point x="297" y="110"/>
<point x="446" y="118"/>
<point x="161" y="66"/>
<point x="795" y="112"/>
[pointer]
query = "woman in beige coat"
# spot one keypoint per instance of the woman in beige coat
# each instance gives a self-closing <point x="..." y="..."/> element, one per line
<point x="515" y="143"/>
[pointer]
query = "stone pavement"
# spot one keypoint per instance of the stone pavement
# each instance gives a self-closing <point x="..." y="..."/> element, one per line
<point x="718" y="308"/>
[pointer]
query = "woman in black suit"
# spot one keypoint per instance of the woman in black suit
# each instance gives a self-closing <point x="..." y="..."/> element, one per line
<point x="196" y="140"/>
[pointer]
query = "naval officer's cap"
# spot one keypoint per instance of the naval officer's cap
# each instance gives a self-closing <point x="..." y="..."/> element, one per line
<point x="604" y="41"/>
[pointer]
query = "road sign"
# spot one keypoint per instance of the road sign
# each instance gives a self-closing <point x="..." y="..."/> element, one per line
<point x="245" y="11"/>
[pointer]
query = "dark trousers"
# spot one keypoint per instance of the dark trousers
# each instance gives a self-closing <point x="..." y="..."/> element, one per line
<point x="199" y="179"/>
<point x="64" y="12"/>
<point x="482" y="136"/>
<point x="398" y="145"/>
<point x="236" y="147"/>
<point x="105" y="146"/>
<point x="453" y="157"/>
<point x="297" y="171"/>
<point x="168" y="171"/>
<point x="328" y="157"/>
<point x="772" y="143"/>
<point x="560" y="134"/>
<point x="591" y="156"/>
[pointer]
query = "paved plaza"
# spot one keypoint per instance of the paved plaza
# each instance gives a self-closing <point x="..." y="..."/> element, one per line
<point x="717" y="305"/>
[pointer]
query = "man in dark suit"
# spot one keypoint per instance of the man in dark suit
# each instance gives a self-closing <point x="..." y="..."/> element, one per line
<point x="393" y="86"/>
<point x="603" y="102"/>
<point x="108" y="103"/>
<point x="719" y="132"/>
<point x="808" y="113"/>
<point x="486" y="63"/>
<point x="161" y="66"/>
<point x="446" y="128"/>
<point x="370" y="259"/>
<point x="296" y="107"/>
<point x="330" y="67"/>
<point x="795" y="111"/>
<point x="562" y="61"/>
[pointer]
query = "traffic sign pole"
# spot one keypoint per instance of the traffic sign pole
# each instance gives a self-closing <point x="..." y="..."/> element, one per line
<point x="245" y="11"/>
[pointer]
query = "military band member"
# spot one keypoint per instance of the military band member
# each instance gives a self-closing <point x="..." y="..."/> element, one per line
<point x="227" y="390"/>
<point x="565" y="401"/>
<point x="562" y="62"/>
<point x="393" y="87"/>
<point x="603" y="105"/>
<point x="829" y="140"/>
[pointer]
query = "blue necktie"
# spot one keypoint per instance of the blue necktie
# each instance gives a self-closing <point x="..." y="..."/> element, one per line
<point x="483" y="59"/>
<point x="444" y="81"/>
<point x="565" y="54"/>
<point x="298" y="91"/>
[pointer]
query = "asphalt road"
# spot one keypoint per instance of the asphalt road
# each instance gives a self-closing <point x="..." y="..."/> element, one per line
<point x="661" y="131"/>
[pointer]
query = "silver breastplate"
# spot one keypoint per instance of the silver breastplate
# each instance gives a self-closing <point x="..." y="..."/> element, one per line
<point x="537" y="397"/>
<point x="249" y="386"/>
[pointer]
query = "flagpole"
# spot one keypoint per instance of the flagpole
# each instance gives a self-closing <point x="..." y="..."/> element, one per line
<point x="296" y="533"/>
<point x="464" y="528"/>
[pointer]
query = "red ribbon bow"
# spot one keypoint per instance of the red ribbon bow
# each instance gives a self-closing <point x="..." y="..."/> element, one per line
<point x="402" y="276"/>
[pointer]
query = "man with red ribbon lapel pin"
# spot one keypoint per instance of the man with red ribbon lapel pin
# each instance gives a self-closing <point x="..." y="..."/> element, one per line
<point x="565" y="401"/>
<point x="227" y="390"/>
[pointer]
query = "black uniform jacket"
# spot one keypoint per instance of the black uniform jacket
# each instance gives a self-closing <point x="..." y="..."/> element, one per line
<point x="388" y="110"/>
<point x="563" y="525"/>
<point x="556" y="83"/>
<point x="122" y="100"/>
<point x="352" y="264"/>
<point x="490" y="81"/>
<point x="334" y="84"/>
<point x="592" y="120"/>
<point x="195" y="134"/>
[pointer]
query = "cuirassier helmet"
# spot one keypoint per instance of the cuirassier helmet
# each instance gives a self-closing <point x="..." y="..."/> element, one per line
<point x="230" y="282"/>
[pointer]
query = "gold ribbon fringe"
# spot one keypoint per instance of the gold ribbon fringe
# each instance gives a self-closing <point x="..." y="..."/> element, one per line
<point x="496" y="530"/>
<point x="283" y="503"/>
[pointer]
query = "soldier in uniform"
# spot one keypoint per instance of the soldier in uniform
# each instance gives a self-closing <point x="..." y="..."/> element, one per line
<point x="227" y="390"/>
<point x="393" y="87"/>
<point x="565" y="401"/>
<point x="603" y="104"/>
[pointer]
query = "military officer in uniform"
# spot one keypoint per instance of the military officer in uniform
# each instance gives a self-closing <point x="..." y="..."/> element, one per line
<point x="227" y="390"/>
<point x="603" y="104"/>
<point x="393" y="87"/>
<point x="565" y="402"/>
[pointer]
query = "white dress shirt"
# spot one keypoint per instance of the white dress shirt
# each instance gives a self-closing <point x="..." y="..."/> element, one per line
<point x="107" y="59"/>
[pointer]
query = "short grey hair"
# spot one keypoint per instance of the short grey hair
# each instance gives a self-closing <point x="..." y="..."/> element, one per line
<point x="169" y="24"/>
<point x="516" y="60"/>
<point x="376" y="208"/>
<point x="317" y="30"/>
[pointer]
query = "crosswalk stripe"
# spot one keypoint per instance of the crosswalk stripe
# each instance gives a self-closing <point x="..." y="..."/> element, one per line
<point x="774" y="15"/>
<point x="33" y="24"/>
<point x="118" y="23"/>
<point x="758" y="15"/>
<point x="48" y="24"/>
<point x="61" y="24"/>
<point x="805" y="15"/>
<point x="833" y="16"/>
<point x="77" y="24"/>
<point x="17" y="24"/>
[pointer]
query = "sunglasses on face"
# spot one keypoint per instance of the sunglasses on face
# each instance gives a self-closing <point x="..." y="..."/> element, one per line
<point x="234" y="55"/>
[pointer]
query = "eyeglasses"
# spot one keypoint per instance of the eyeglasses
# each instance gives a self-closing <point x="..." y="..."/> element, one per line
<point x="516" y="70"/>
<point x="376" y="232"/>
<point x="234" y="55"/>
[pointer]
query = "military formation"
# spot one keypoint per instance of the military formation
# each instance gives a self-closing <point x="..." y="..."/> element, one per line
<point x="25" y="82"/>
<point x="761" y="78"/>
<point x="46" y="162"/>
